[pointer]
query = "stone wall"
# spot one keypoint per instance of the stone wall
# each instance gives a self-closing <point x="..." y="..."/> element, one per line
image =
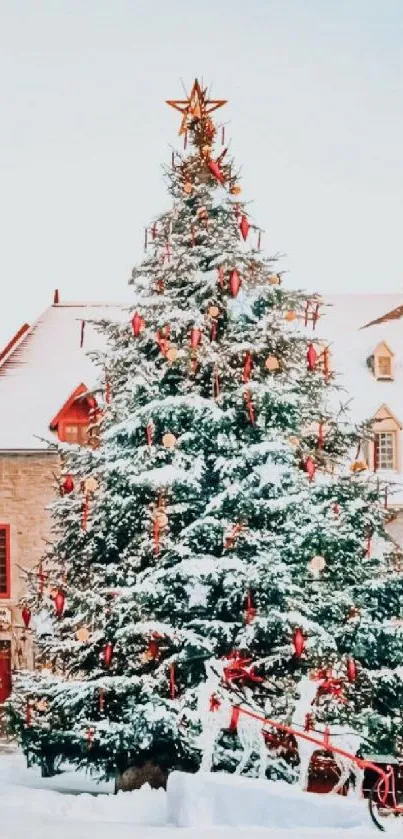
<point x="26" y="488"/>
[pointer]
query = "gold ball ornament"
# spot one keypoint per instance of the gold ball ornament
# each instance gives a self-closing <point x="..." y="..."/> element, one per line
<point x="358" y="466"/>
<point x="169" y="440"/>
<point x="273" y="279"/>
<point x="294" y="441"/>
<point x="53" y="591"/>
<point x="90" y="485"/>
<point x="83" y="634"/>
<point x="187" y="187"/>
<point x="206" y="149"/>
<point x="41" y="705"/>
<point x="290" y="315"/>
<point x="272" y="363"/>
<point x="317" y="564"/>
<point x="213" y="312"/>
<point x="172" y="354"/>
<point x="235" y="190"/>
<point x="161" y="518"/>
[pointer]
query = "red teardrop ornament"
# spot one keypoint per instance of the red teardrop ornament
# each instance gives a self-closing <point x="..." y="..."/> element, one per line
<point x="107" y="654"/>
<point x="26" y="616"/>
<point x="195" y="337"/>
<point x="59" y="603"/>
<point x="311" y="357"/>
<point x="298" y="641"/>
<point x="351" y="670"/>
<point x="234" y="282"/>
<point x="137" y="324"/>
<point x="310" y="468"/>
<point x="216" y="171"/>
<point x="67" y="485"/>
<point x="244" y="228"/>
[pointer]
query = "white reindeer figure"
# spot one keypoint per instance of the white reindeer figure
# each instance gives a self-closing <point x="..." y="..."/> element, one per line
<point x="215" y="710"/>
<point x="339" y="736"/>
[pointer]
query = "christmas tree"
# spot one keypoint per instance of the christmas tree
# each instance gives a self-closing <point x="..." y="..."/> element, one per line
<point x="218" y="518"/>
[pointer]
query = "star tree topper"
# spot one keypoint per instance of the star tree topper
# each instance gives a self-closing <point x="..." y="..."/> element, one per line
<point x="196" y="106"/>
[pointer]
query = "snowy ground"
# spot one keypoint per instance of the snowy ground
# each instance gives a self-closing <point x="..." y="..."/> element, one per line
<point x="65" y="807"/>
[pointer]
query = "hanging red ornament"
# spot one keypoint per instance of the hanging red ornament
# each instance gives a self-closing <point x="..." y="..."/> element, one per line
<point x="234" y="282"/>
<point x="351" y="670"/>
<point x="230" y="540"/>
<point x="107" y="392"/>
<point x="216" y="171"/>
<point x="107" y="654"/>
<point x="67" y="485"/>
<point x="298" y="640"/>
<point x="247" y="367"/>
<point x="84" y="513"/>
<point x="249" y="406"/>
<point x="311" y="357"/>
<point x="150" y="433"/>
<point x="309" y="467"/>
<point x="369" y="546"/>
<point x="154" y="231"/>
<point x="59" y="604"/>
<point x="326" y="371"/>
<point x="90" y="737"/>
<point x="195" y="337"/>
<point x="321" y="434"/>
<point x="138" y="324"/>
<point x="221" y="277"/>
<point x="336" y="509"/>
<point x="233" y="723"/>
<point x="101" y="700"/>
<point x="26" y="616"/>
<point x="250" y="611"/>
<point x="215" y="702"/>
<point x="173" y="690"/>
<point x="244" y="227"/>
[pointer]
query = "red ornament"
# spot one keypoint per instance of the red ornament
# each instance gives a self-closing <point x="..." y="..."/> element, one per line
<point x="309" y="724"/>
<point x="195" y="337"/>
<point x="310" y="468"/>
<point x="351" y="670"/>
<point x="221" y="277"/>
<point x="247" y="368"/>
<point x="101" y="700"/>
<point x="321" y="434"/>
<point x="67" y="485"/>
<point x="107" y="654"/>
<point x="233" y="723"/>
<point x="28" y="713"/>
<point x="216" y="171"/>
<point x="59" y="603"/>
<point x="154" y="230"/>
<point x="173" y="690"/>
<point x="84" y="513"/>
<point x="215" y="702"/>
<point x="150" y="433"/>
<point x="311" y="357"/>
<point x="26" y="616"/>
<point x="234" y="282"/>
<point x="138" y="324"/>
<point x="244" y="227"/>
<point x="298" y="640"/>
<point x="250" y="612"/>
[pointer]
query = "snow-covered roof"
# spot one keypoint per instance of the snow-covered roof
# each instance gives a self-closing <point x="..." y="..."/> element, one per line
<point x="42" y="369"/>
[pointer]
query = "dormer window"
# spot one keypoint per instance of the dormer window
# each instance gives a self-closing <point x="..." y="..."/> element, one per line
<point x="382" y="362"/>
<point x="384" y="451"/>
<point x="74" y="422"/>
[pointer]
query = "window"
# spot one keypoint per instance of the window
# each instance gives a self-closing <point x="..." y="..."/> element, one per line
<point x="4" y="560"/>
<point x="75" y="433"/>
<point x="382" y="362"/>
<point x="385" y="450"/>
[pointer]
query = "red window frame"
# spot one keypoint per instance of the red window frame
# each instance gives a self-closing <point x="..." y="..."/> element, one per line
<point x="5" y="595"/>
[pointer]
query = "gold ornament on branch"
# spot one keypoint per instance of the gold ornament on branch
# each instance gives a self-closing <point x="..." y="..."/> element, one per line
<point x="290" y="315"/>
<point x="235" y="190"/>
<point x="188" y="187"/>
<point x="161" y="518"/>
<point x="83" y="634"/>
<point x="90" y="485"/>
<point x="358" y="466"/>
<point x="272" y="363"/>
<point x="273" y="279"/>
<point x="172" y="354"/>
<point x="213" y="311"/>
<point x="294" y="441"/>
<point x="317" y="564"/>
<point x="169" y="440"/>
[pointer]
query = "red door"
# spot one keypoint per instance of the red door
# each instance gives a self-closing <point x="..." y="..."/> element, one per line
<point x="5" y="670"/>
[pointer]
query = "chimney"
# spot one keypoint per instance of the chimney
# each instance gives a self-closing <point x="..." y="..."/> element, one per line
<point x="56" y="297"/>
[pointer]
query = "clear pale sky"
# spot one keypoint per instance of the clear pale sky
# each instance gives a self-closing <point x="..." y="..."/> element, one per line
<point x="315" y="113"/>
